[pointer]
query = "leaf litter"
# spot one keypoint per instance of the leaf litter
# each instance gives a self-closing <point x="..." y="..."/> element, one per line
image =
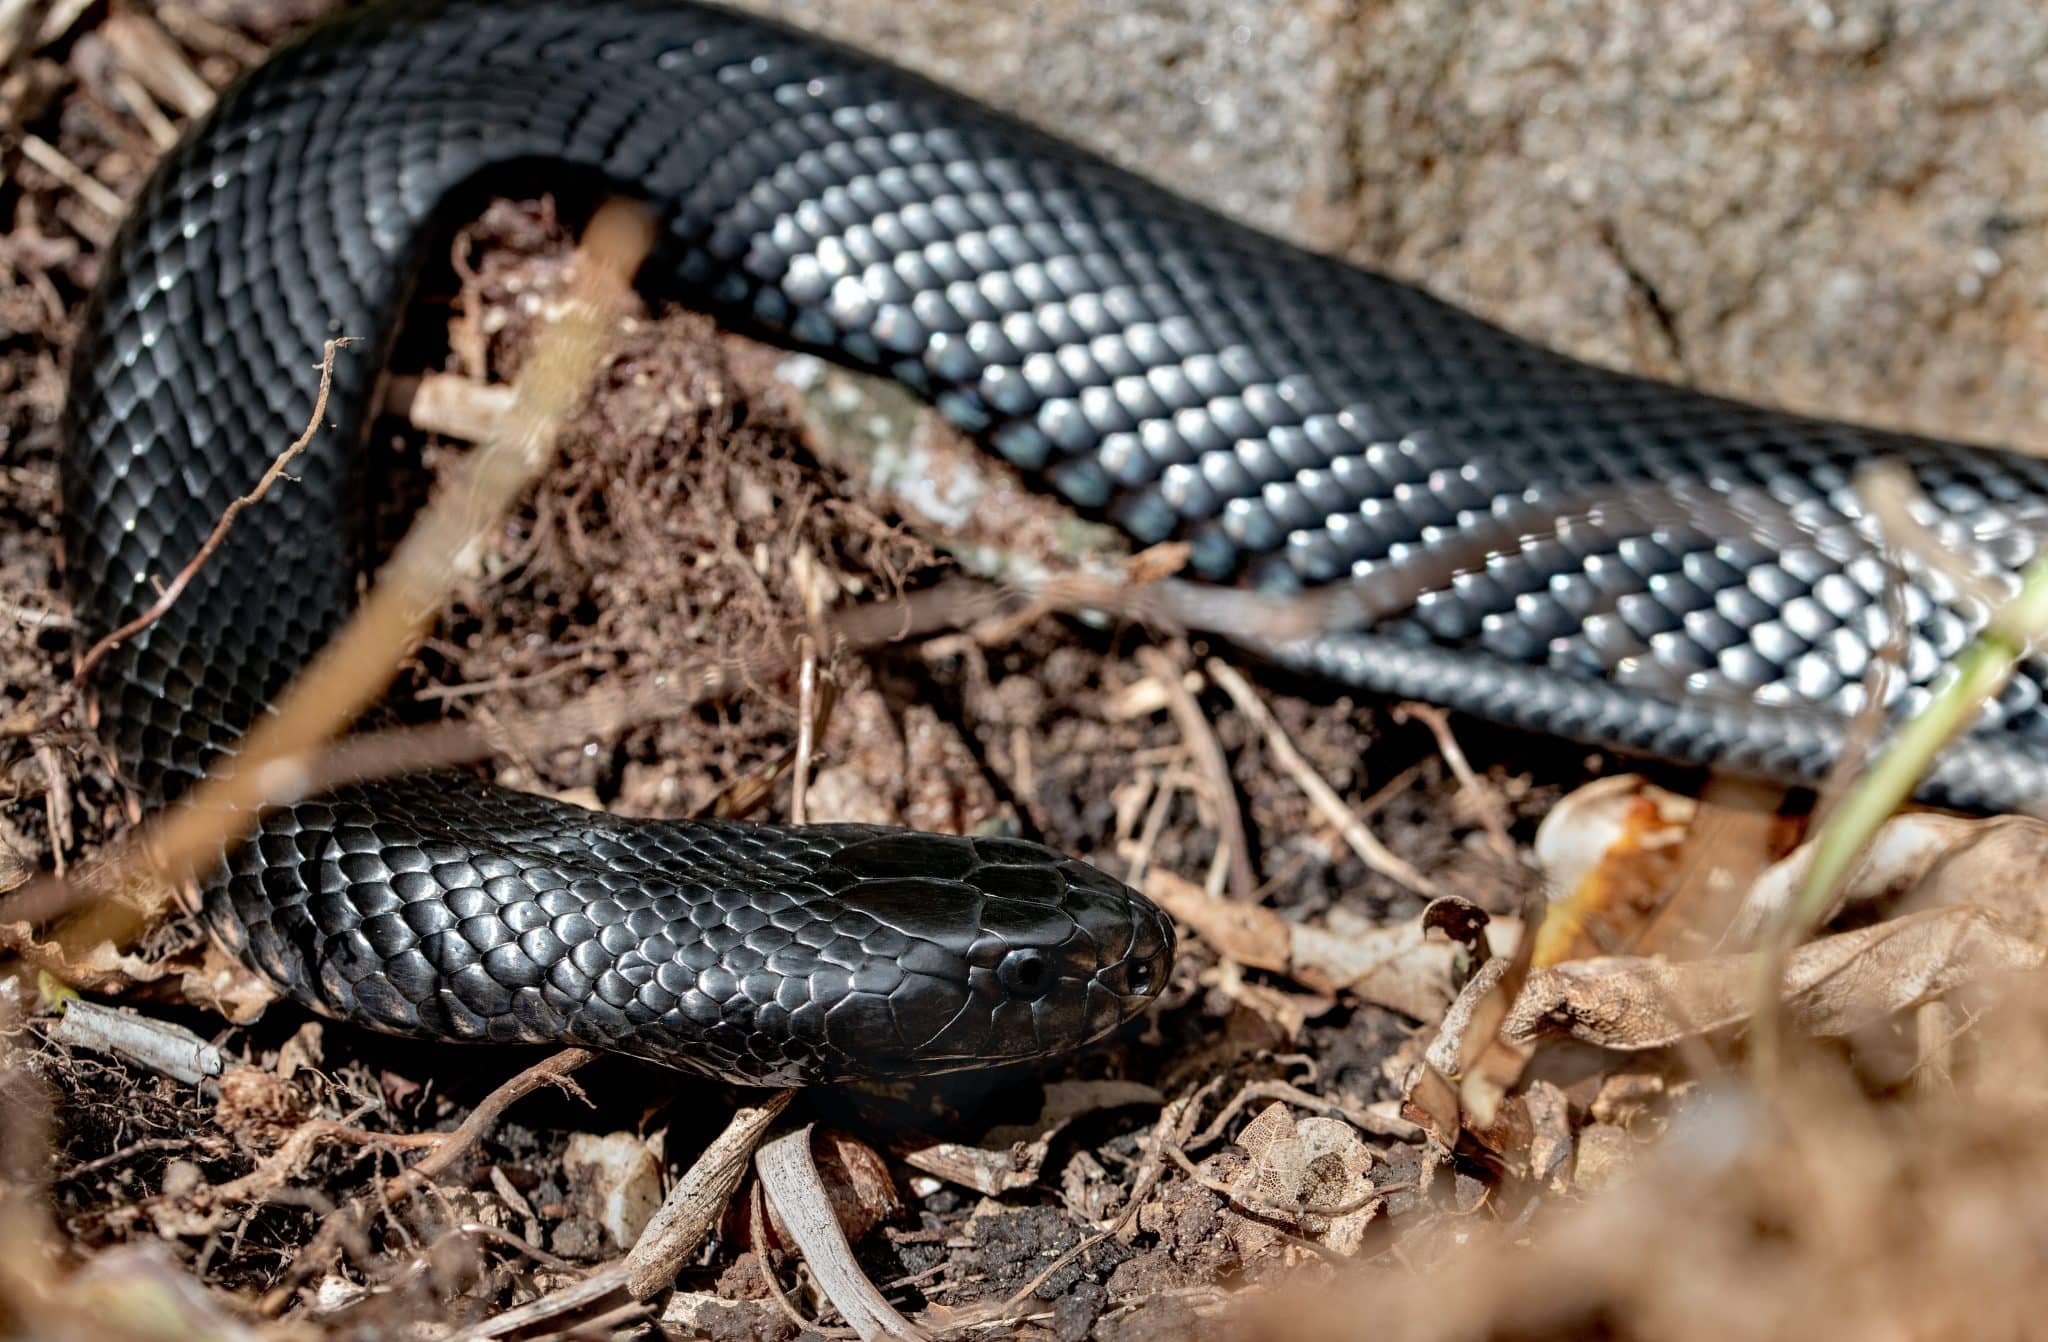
<point x="1337" y="1092"/>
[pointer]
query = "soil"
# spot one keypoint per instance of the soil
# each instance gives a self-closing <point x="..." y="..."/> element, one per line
<point x="713" y="495"/>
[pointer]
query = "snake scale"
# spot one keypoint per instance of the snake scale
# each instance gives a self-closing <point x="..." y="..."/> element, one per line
<point x="1655" y="569"/>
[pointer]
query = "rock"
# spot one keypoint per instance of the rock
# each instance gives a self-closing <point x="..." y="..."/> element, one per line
<point x="615" y="1181"/>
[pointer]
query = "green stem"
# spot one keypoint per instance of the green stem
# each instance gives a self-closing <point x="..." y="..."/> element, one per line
<point x="1975" y="676"/>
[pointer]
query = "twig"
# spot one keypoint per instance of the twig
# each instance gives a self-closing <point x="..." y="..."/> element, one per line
<point x="58" y="20"/>
<point x="443" y="403"/>
<point x="789" y="1178"/>
<point x="147" y="1146"/>
<point x="144" y="109"/>
<point x="459" y="1141"/>
<point x="806" y="730"/>
<point x="693" y="1206"/>
<point x="496" y="684"/>
<point x="148" y="53"/>
<point x="764" y="1263"/>
<point x="588" y="1291"/>
<point x="1376" y="855"/>
<point x="1362" y="1119"/>
<point x="197" y="31"/>
<point x="157" y="1045"/>
<point x="1214" y="765"/>
<point x="177" y="585"/>
<point x="1482" y="797"/>
<point x="83" y="184"/>
<point x="56" y="799"/>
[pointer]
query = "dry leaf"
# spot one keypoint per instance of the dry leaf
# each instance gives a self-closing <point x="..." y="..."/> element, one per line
<point x="1306" y="1170"/>
<point x="856" y="1183"/>
<point x="1398" y="966"/>
<point x="1899" y="855"/>
<point x="1610" y="850"/>
<point x="1832" y="987"/>
<point x="1013" y="1157"/>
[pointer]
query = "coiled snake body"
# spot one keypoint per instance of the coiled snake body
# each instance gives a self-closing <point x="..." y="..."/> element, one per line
<point x="1657" y="570"/>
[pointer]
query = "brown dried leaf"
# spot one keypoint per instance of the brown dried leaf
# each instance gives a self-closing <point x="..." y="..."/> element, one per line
<point x="1904" y="850"/>
<point x="1833" y="986"/>
<point x="1398" y="966"/>
<point x="1611" y="849"/>
<point x="1306" y="1170"/>
<point x="1013" y="1157"/>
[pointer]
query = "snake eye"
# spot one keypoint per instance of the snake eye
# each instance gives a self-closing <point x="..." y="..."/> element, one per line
<point x="1027" y="974"/>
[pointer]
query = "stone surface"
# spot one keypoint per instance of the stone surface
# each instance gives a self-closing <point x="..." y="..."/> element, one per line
<point x="1835" y="205"/>
<point x="616" y="1181"/>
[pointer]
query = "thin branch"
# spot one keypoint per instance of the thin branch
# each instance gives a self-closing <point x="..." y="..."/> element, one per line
<point x="177" y="585"/>
<point x="458" y="1142"/>
<point x="1376" y="855"/>
<point x="1482" y="797"/>
<point x="1214" y="765"/>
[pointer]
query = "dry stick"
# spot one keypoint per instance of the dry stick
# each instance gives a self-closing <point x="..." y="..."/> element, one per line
<point x="148" y="53"/>
<point x="1481" y="796"/>
<point x="757" y="1243"/>
<point x="789" y="1178"/>
<point x="444" y="1149"/>
<point x="443" y="546"/>
<point x="144" y="109"/>
<point x="83" y="184"/>
<point x="1376" y="855"/>
<point x="1208" y="751"/>
<point x="177" y="585"/>
<point x="1362" y="1119"/>
<point x="448" y="404"/>
<point x="458" y="1141"/>
<point x="693" y="1206"/>
<point x="588" y="1291"/>
<point x="806" y="730"/>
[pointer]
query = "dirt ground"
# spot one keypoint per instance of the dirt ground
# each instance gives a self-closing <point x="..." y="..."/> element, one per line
<point x="1265" y="1129"/>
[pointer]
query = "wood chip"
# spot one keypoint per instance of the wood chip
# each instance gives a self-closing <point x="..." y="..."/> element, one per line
<point x="693" y="1206"/>
<point x="157" y="1045"/>
<point x="83" y="184"/>
<point x="156" y="61"/>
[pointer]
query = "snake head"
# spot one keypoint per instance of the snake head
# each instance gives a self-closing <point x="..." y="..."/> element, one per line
<point x="1007" y="951"/>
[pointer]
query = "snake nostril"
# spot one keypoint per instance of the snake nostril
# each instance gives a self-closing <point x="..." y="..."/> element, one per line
<point x="1027" y="974"/>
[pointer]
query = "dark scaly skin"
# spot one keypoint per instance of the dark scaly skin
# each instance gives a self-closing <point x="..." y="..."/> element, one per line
<point x="1295" y="419"/>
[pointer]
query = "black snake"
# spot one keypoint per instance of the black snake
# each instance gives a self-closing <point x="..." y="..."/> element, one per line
<point x="1656" y="569"/>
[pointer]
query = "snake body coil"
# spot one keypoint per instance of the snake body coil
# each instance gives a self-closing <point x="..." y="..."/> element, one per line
<point x="1660" y="570"/>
